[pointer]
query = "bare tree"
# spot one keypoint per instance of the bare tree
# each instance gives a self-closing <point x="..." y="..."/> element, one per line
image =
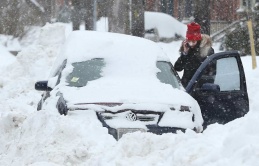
<point x="119" y="16"/>
<point x="17" y="15"/>
<point x="83" y="10"/>
<point x="202" y="15"/>
<point x="45" y="9"/>
<point x="9" y="20"/>
<point x="89" y="14"/>
<point x="137" y="17"/>
<point x="35" y="6"/>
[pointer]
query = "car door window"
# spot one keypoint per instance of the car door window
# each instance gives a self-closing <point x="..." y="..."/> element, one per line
<point x="228" y="76"/>
<point x="223" y="72"/>
<point x="167" y="75"/>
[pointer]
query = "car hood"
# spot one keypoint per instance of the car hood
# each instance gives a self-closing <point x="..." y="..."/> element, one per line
<point x="139" y="116"/>
<point x="126" y="91"/>
<point x="151" y="97"/>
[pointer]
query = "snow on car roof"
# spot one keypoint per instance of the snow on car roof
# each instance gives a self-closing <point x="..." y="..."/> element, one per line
<point x="84" y="45"/>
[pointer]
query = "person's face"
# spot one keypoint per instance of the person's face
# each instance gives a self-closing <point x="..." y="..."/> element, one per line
<point x="192" y="43"/>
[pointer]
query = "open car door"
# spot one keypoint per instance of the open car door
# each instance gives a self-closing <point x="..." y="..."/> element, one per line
<point x="219" y="86"/>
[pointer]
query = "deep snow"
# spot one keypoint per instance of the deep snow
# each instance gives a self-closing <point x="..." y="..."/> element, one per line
<point x="44" y="138"/>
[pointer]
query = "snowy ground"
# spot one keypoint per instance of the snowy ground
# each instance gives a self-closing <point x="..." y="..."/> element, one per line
<point x="44" y="138"/>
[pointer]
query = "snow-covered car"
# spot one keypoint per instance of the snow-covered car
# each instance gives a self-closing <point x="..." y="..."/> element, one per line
<point x="162" y="27"/>
<point x="129" y="82"/>
<point x="131" y="85"/>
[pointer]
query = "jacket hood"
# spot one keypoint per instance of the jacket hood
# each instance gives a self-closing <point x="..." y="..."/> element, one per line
<point x="205" y="45"/>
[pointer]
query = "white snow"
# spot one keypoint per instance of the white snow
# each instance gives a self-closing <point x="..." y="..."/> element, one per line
<point x="37" y="138"/>
<point x="166" y="25"/>
<point x="6" y="57"/>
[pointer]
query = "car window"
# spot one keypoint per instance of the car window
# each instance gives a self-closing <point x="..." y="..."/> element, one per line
<point x="228" y="76"/>
<point x="166" y="74"/>
<point x="85" y="71"/>
<point x="223" y="72"/>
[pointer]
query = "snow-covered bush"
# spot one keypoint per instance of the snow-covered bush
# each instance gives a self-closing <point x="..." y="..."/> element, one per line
<point x="238" y="39"/>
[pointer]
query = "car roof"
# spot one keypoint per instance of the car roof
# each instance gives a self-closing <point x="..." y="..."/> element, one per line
<point x="84" y="45"/>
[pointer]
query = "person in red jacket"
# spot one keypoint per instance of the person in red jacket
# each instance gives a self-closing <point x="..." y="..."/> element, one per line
<point x="193" y="51"/>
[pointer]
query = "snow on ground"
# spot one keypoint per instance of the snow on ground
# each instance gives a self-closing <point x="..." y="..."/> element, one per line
<point x="44" y="138"/>
<point x="6" y="57"/>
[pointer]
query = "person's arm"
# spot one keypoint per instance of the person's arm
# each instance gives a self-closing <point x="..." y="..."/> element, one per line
<point x="180" y="63"/>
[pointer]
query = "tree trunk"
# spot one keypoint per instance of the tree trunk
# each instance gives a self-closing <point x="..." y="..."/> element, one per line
<point x="202" y="15"/>
<point x="75" y="15"/>
<point x="34" y="6"/>
<point x="137" y="17"/>
<point x="9" y="22"/>
<point x="119" y="16"/>
<point x="89" y="15"/>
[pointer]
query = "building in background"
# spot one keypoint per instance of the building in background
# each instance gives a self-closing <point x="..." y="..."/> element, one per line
<point x="222" y="12"/>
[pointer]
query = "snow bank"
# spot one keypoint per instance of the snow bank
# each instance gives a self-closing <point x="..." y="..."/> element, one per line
<point x="6" y="57"/>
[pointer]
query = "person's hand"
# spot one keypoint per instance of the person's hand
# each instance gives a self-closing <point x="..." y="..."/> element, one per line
<point x="185" y="47"/>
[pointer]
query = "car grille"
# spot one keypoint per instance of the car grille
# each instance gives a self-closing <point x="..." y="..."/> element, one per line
<point x="139" y="117"/>
<point x="145" y="118"/>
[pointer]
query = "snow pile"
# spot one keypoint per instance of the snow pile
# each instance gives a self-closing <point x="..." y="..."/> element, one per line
<point x="52" y="35"/>
<point x="45" y="138"/>
<point x="166" y="25"/>
<point x="6" y="57"/>
<point x="11" y="43"/>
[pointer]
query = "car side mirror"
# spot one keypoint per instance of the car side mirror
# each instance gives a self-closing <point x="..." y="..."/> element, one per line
<point x="42" y="86"/>
<point x="210" y="87"/>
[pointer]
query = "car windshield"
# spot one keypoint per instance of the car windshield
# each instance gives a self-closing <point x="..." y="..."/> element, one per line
<point x="91" y="70"/>
<point x="85" y="71"/>
<point x="166" y="74"/>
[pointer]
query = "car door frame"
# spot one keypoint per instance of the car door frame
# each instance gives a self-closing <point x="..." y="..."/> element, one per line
<point x="47" y="90"/>
<point x="241" y="94"/>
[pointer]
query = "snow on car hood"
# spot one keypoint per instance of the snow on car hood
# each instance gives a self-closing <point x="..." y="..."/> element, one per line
<point x="126" y="91"/>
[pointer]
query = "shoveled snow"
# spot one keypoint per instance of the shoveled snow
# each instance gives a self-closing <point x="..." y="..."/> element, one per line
<point x="6" y="57"/>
